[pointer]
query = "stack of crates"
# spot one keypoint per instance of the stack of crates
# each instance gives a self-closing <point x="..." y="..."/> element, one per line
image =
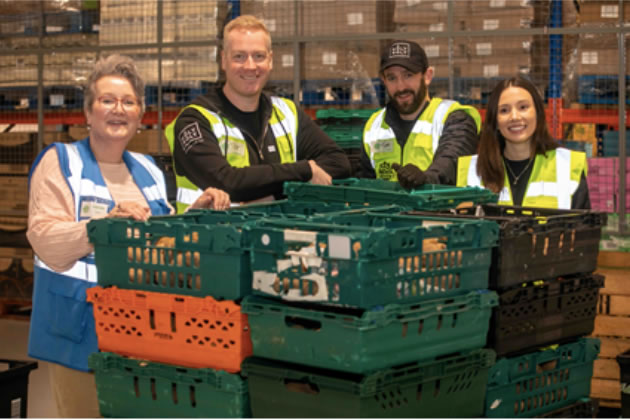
<point x="167" y="311"/>
<point x="170" y="330"/>
<point x="369" y="314"/>
<point x="542" y="270"/>
<point x="345" y="127"/>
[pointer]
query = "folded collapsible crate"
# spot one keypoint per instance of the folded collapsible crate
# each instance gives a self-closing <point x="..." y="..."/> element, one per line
<point x="360" y="341"/>
<point x="141" y="388"/>
<point x="453" y="386"/>
<point x="537" y="243"/>
<point x="170" y="328"/>
<point x="545" y="312"/>
<point x="541" y="381"/>
<point x="365" y="259"/>
<point x="380" y="192"/>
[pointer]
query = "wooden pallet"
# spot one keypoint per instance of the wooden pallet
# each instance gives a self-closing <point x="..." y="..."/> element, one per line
<point x="612" y="326"/>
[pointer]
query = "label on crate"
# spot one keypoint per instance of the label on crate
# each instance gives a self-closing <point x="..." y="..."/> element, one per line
<point x="287" y="60"/>
<point x="270" y="24"/>
<point x="497" y="3"/>
<point x="589" y="57"/>
<point x="56" y="100"/>
<point x="432" y="50"/>
<point x="329" y="58"/>
<point x="436" y="27"/>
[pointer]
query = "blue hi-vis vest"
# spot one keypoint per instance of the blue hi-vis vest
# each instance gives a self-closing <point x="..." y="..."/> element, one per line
<point x="62" y="323"/>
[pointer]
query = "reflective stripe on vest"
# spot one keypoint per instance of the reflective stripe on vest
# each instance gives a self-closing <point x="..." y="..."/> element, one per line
<point x="556" y="178"/>
<point x="62" y="324"/>
<point x="284" y="126"/>
<point x="382" y="148"/>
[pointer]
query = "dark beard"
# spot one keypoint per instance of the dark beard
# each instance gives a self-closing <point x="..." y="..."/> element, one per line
<point x="413" y="106"/>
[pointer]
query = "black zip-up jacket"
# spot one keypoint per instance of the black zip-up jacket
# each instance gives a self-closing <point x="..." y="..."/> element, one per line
<point x="459" y="138"/>
<point x="197" y="155"/>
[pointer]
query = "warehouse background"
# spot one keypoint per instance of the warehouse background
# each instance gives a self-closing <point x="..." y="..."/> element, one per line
<point x="326" y="56"/>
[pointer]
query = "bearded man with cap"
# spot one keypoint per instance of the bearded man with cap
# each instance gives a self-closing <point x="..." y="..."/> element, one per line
<point x="415" y="139"/>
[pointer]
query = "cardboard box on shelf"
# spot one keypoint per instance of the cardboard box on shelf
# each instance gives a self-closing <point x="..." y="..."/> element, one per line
<point x="278" y="15"/>
<point x="493" y="46"/>
<point x="13" y="193"/>
<point x="596" y="12"/>
<point x="360" y="16"/>
<point x="496" y="66"/>
<point x="599" y="62"/>
<point x="500" y="19"/>
<point x="284" y="62"/>
<point x="149" y="142"/>
<point x="485" y="6"/>
<point x="78" y="132"/>
<point x="421" y="12"/>
<point x="337" y="60"/>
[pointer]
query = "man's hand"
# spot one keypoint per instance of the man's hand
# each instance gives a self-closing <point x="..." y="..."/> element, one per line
<point x="409" y="176"/>
<point x="212" y="198"/>
<point x="320" y="176"/>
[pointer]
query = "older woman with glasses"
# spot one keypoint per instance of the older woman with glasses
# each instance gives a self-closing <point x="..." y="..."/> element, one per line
<point x="71" y="184"/>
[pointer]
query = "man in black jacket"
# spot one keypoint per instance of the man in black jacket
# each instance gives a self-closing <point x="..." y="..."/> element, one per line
<point x="243" y="141"/>
<point x="415" y="139"/>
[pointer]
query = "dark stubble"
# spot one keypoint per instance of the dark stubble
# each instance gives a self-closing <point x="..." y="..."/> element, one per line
<point x="418" y="97"/>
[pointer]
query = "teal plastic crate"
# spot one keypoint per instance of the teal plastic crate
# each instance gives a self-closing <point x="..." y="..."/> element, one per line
<point x="208" y="254"/>
<point x="541" y="381"/>
<point x="380" y="192"/>
<point x="344" y="115"/>
<point x="451" y="387"/>
<point x="368" y="259"/>
<point x="199" y="260"/>
<point x="139" y="388"/>
<point x="363" y="341"/>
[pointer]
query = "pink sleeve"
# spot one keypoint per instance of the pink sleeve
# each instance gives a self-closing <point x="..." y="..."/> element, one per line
<point x="56" y="237"/>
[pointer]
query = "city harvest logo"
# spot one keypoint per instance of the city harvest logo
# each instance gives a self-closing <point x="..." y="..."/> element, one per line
<point x="400" y="50"/>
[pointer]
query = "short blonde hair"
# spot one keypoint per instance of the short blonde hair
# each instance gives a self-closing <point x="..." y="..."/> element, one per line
<point x="246" y="22"/>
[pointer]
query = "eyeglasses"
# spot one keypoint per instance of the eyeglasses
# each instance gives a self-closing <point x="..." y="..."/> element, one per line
<point x="109" y="102"/>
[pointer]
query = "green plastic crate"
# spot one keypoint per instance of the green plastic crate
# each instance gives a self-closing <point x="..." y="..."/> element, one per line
<point x="541" y="381"/>
<point x="139" y="388"/>
<point x="363" y="341"/>
<point x="210" y="255"/>
<point x="344" y="115"/>
<point x="206" y="259"/>
<point x="451" y="387"/>
<point x="372" y="259"/>
<point x="380" y="192"/>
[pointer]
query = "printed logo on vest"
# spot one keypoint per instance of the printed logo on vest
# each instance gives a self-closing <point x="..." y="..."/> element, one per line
<point x="385" y="171"/>
<point x="189" y="136"/>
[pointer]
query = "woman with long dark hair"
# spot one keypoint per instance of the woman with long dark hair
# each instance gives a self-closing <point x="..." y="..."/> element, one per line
<point x="517" y="156"/>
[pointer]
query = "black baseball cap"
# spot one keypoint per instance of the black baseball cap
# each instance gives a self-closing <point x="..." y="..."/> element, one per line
<point x="407" y="54"/>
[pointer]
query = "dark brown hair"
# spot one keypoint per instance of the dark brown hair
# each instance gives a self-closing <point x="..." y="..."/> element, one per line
<point x="492" y="143"/>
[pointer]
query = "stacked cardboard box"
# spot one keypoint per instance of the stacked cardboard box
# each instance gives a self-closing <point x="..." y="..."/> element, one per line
<point x="135" y="21"/>
<point x="323" y="61"/>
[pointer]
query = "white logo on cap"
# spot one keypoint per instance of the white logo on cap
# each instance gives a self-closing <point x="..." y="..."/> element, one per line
<point x="400" y="49"/>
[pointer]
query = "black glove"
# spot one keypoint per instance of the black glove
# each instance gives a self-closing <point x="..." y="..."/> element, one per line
<point x="409" y="176"/>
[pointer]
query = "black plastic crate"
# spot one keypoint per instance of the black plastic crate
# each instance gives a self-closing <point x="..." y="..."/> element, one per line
<point x="14" y="387"/>
<point x="624" y="367"/>
<point x="545" y="312"/>
<point x="586" y="408"/>
<point x="538" y="243"/>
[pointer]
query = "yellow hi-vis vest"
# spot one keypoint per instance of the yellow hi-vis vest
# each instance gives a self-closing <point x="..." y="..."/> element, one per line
<point x="552" y="183"/>
<point x="283" y="123"/>
<point x="382" y="148"/>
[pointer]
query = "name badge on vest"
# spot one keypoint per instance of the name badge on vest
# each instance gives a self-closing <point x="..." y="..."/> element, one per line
<point x="236" y="148"/>
<point x="91" y="208"/>
<point x="384" y="146"/>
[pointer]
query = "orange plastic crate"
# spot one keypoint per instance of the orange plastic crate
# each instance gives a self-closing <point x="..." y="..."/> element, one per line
<point x="170" y="328"/>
